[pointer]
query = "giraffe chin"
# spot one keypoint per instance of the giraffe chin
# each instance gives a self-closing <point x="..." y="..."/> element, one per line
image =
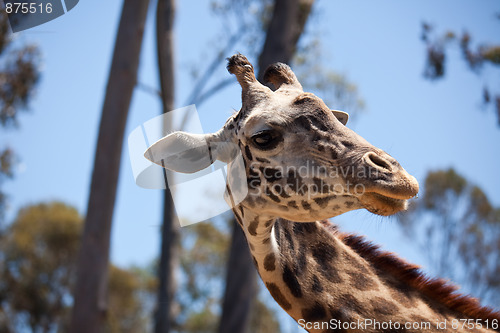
<point x="382" y="205"/>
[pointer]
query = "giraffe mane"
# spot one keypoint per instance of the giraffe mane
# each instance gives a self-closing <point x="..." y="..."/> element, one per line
<point x="438" y="289"/>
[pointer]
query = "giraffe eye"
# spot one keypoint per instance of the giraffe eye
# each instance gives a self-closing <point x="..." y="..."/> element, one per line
<point x="266" y="139"/>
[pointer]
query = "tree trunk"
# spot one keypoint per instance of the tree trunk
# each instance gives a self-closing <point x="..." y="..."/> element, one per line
<point x="284" y="30"/>
<point x="169" y="256"/>
<point x="90" y="295"/>
<point x="286" y="26"/>
<point x="241" y="285"/>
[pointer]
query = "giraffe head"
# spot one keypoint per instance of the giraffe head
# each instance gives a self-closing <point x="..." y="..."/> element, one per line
<point x="300" y="160"/>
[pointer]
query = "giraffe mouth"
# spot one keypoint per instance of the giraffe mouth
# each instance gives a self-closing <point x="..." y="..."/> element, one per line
<point x="389" y="196"/>
<point x="384" y="205"/>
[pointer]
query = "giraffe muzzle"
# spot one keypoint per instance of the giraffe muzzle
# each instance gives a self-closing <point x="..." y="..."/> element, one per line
<point x="388" y="185"/>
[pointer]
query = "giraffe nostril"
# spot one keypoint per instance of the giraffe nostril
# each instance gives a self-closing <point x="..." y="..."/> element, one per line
<point x="377" y="161"/>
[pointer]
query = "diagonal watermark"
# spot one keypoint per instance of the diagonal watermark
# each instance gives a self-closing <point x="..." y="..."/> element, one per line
<point x="197" y="196"/>
<point x="26" y="14"/>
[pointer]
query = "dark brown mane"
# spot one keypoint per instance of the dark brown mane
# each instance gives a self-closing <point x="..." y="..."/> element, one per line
<point x="439" y="290"/>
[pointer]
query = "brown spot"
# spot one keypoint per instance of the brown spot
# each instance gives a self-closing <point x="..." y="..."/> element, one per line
<point x="349" y="204"/>
<point x="268" y="223"/>
<point x="403" y="298"/>
<point x="260" y="201"/>
<point x="278" y="296"/>
<point x="321" y="185"/>
<point x="314" y="313"/>
<point x="293" y="204"/>
<point x="253" y="179"/>
<point x="272" y="174"/>
<point x="250" y="202"/>
<point x="350" y="302"/>
<point x="334" y="154"/>
<point x="306" y="205"/>
<point x="296" y="183"/>
<point x="282" y="192"/>
<point x="316" y="285"/>
<point x="272" y="196"/>
<point x="355" y="263"/>
<point x="323" y="254"/>
<point x="252" y="228"/>
<point x="322" y="202"/>
<point x="383" y="306"/>
<point x="269" y="262"/>
<point x="291" y="281"/>
<point x="266" y="240"/>
<point x="248" y="153"/>
<point x="361" y="282"/>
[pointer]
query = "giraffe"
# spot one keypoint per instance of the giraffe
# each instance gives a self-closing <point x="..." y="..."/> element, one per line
<point x="302" y="166"/>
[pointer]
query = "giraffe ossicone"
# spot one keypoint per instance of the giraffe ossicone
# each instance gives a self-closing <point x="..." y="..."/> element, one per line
<point x="300" y="166"/>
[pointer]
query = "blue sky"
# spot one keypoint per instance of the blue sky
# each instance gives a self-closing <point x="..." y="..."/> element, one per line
<point x="425" y="125"/>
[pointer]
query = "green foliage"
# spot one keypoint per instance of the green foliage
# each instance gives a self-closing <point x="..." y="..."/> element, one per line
<point x="459" y="229"/>
<point x="439" y="183"/>
<point x="491" y="54"/>
<point x="37" y="264"/>
<point x="19" y="75"/>
<point x="7" y="161"/>
<point x="38" y="251"/>
<point x="204" y="254"/>
<point x="475" y="57"/>
<point x="127" y="312"/>
<point x="203" y="259"/>
<point x="201" y="322"/>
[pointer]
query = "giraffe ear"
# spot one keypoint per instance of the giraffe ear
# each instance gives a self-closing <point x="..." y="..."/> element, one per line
<point x="188" y="153"/>
<point x="342" y="116"/>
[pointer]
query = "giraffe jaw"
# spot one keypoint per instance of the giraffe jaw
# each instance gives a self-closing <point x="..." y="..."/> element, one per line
<point x="382" y="205"/>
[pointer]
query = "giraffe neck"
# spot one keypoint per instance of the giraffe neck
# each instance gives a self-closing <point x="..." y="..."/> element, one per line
<point x="317" y="279"/>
